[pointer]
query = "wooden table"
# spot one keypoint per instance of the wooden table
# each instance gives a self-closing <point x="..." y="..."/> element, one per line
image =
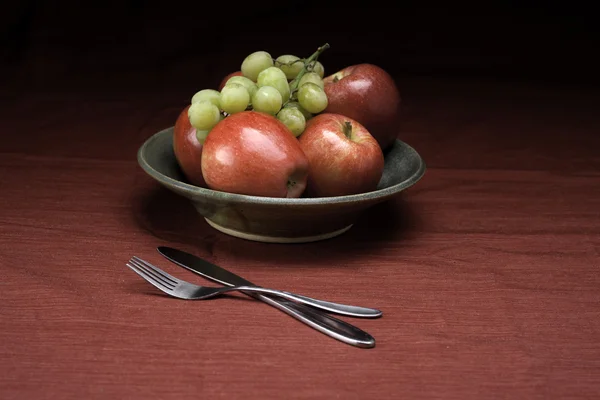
<point x="487" y="270"/>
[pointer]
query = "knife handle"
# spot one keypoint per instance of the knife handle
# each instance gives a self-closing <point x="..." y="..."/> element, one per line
<point x="320" y="321"/>
<point x="343" y="309"/>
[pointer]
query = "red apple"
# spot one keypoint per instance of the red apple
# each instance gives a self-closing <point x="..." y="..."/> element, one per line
<point x="369" y="95"/>
<point x="224" y="81"/>
<point x="343" y="157"/>
<point x="188" y="149"/>
<point x="253" y="153"/>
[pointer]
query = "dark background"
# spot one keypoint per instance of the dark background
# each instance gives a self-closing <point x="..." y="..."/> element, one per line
<point x="170" y="46"/>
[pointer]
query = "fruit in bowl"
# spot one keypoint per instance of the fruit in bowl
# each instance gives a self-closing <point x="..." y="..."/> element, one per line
<point x="344" y="158"/>
<point x="288" y="92"/>
<point x="257" y="113"/>
<point x="368" y="94"/>
<point x="278" y="153"/>
<point x="187" y="147"/>
<point x="254" y="153"/>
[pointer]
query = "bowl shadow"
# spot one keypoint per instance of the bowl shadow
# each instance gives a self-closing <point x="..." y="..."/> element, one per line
<point x="174" y="221"/>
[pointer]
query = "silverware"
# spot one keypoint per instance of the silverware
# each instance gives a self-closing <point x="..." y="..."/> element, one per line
<point x="316" y="319"/>
<point x="188" y="291"/>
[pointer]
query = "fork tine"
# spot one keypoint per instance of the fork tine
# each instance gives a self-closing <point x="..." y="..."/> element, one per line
<point x="158" y="271"/>
<point x="152" y="273"/>
<point x="149" y="278"/>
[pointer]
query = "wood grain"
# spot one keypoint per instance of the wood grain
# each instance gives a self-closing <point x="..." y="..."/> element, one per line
<point x="487" y="270"/>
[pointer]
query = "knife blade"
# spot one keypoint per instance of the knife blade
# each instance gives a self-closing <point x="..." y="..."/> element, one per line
<point x="203" y="267"/>
<point x="320" y="321"/>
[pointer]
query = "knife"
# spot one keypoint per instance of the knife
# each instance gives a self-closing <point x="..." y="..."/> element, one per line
<point x="320" y="321"/>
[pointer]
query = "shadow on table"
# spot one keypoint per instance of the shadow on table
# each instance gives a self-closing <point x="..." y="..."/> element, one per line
<point x="174" y="221"/>
<point x="168" y="216"/>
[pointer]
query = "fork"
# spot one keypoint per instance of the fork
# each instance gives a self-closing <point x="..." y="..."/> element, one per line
<point x="188" y="291"/>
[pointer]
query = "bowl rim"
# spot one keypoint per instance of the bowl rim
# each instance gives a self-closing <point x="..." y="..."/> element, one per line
<point x="243" y="198"/>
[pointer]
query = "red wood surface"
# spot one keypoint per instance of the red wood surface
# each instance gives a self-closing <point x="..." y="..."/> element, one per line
<point x="486" y="270"/>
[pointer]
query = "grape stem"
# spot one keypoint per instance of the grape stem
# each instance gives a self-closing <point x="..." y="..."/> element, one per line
<point x="307" y="62"/>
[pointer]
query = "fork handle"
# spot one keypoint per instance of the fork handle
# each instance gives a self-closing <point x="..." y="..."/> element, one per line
<point x="320" y="321"/>
<point x="343" y="309"/>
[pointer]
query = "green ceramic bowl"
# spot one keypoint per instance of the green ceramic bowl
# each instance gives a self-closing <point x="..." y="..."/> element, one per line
<point x="278" y="220"/>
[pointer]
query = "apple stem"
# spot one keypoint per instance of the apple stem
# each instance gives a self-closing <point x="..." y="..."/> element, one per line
<point x="308" y="63"/>
<point x="348" y="129"/>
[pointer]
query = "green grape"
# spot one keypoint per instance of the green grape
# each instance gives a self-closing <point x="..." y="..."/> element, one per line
<point x="247" y="83"/>
<point x="312" y="98"/>
<point x="208" y="94"/>
<point x="234" y="98"/>
<point x="318" y="68"/>
<point x="290" y="65"/>
<point x="255" y="63"/>
<point x="267" y="99"/>
<point x="293" y="119"/>
<point x="311" y="77"/>
<point x="204" y="115"/>
<point x="201" y="135"/>
<point x="295" y="104"/>
<point x="276" y="78"/>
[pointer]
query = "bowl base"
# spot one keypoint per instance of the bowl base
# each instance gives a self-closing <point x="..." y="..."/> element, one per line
<point x="276" y="239"/>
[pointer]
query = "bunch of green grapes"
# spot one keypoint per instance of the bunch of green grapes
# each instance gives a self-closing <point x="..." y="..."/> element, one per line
<point x="288" y="87"/>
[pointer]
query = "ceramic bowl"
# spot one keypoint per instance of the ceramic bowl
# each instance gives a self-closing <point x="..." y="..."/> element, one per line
<point x="278" y="220"/>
